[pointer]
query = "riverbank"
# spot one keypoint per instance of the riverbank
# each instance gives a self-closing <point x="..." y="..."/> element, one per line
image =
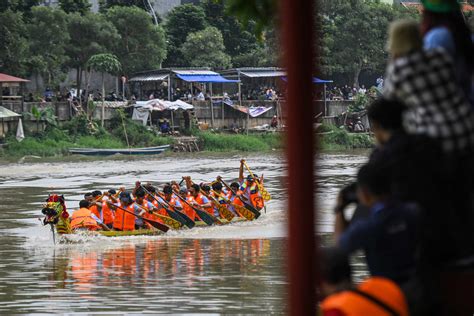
<point x="55" y="141"/>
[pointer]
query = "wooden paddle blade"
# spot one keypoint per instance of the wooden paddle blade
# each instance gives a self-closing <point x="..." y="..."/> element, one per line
<point x="188" y="221"/>
<point x="245" y="213"/>
<point x="176" y="217"/>
<point x="224" y="212"/>
<point x="157" y="225"/>
<point x="251" y="209"/>
<point x="265" y="195"/>
<point x="206" y="217"/>
<point x="169" y="221"/>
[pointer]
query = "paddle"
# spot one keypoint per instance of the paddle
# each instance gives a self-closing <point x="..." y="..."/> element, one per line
<point x="246" y="205"/>
<point x="171" y="222"/>
<point x="153" y="223"/>
<point x="223" y="211"/>
<point x="266" y="196"/>
<point x="188" y="221"/>
<point x="178" y="216"/>
<point x="241" y="210"/>
<point x="204" y="216"/>
<point x="54" y="235"/>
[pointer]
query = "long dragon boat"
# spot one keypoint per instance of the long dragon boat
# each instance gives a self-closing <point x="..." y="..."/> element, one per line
<point x="58" y="218"/>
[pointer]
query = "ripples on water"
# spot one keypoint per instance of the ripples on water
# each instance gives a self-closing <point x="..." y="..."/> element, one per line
<point x="233" y="269"/>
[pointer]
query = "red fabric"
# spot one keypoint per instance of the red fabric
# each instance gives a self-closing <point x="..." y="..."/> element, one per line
<point x="334" y="312"/>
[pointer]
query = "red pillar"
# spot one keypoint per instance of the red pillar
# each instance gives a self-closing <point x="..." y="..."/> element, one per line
<point x="297" y="18"/>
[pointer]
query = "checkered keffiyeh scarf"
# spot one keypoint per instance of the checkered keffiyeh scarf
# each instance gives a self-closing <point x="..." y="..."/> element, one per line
<point x="438" y="108"/>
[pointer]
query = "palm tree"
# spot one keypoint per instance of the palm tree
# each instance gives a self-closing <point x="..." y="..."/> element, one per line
<point x="104" y="63"/>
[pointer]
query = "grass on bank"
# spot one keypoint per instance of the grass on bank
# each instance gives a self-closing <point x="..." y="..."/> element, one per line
<point x="335" y="138"/>
<point x="55" y="141"/>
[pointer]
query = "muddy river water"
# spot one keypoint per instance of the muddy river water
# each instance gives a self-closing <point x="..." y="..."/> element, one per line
<point x="238" y="269"/>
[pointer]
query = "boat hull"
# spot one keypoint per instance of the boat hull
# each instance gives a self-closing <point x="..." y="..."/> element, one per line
<point x="108" y="152"/>
<point x="149" y="232"/>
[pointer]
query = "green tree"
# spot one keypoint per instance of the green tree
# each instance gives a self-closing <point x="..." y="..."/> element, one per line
<point x="90" y="34"/>
<point x="42" y="114"/>
<point x="47" y="40"/>
<point x="142" y="45"/>
<point x="262" y="12"/>
<point x="182" y="21"/>
<point x="13" y="44"/>
<point x="79" y="6"/>
<point x="206" y="49"/>
<point x="146" y="5"/>
<point x="107" y="4"/>
<point x="237" y="40"/>
<point x="23" y="6"/>
<point x="104" y="63"/>
<point x="354" y="36"/>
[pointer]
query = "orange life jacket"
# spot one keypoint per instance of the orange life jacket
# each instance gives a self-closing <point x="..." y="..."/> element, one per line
<point x="353" y="304"/>
<point x="96" y="211"/>
<point x="124" y="220"/>
<point x="199" y="201"/>
<point x="108" y="214"/>
<point x="234" y="199"/>
<point x="188" y="210"/>
<point x="82" y="219"/>
<point x="254" y="195"/>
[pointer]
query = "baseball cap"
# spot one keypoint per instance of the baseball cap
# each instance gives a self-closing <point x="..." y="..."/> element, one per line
<point x="441" y="6"/>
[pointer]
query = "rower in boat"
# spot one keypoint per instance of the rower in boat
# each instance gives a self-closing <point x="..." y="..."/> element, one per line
<point x="250" y="189"/>
<point x="147" y="209"/>
<point x="220" y="196"/>
<point x="170" y="199"/>
<point x="107" y="213"/>
<point x="188" y="210"/>
<point x="199" y="200"/>
<point x="125" y="221"/>
<point x="234" y="197"/>
<point x="85" y="219"/>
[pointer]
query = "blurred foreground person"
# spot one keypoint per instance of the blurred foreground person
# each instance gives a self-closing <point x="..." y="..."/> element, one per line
<point x="375" y="296"/>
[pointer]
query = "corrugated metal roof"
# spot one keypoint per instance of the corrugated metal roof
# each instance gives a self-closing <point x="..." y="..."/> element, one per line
<point x="195" y="72"/>
<point x="263" y="74"/>
<point x="150" y="77"/>
<point x="6" y="113"/>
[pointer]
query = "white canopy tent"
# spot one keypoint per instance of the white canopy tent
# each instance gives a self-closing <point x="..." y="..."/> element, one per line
<point x="143" y="109"/>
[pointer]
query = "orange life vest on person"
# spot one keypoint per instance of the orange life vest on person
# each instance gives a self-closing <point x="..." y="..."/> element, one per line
<point x="82" y="219"/>
<point x="96" y="211"/>
<point x="354" y="304"/>
<point x="188" y="210"/>
<point x="254" y="195"/>
<point x="199" y="201"/>
<point x="124" y="220"/>
<point x="108" y="214"/>
<point x="234" y="199"/>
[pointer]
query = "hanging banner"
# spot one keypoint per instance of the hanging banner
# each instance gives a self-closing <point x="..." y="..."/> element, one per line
<point x="253" y="111"/>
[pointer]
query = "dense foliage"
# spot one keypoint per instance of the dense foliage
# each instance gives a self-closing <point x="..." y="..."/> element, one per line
<point x="205" y="49"/>
<point x="48" y="42"/>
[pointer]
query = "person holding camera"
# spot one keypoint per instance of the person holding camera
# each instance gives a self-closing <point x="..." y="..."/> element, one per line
<point x="388" y="235"/>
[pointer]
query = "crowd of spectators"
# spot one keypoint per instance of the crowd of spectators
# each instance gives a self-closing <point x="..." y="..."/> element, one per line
<point x="414" y="217"/>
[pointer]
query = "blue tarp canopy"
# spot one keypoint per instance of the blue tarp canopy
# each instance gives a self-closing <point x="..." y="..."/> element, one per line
<point x="315" y="80"/>
<point x="205" y="78"/>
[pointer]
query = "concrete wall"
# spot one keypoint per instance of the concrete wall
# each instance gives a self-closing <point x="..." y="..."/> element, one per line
<point x="225" y="117"/>
<point x="37" y="83"/>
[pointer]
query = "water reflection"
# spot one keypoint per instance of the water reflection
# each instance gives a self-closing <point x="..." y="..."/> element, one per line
<point x="228" y="269"/>
<point x="176" y="274"/>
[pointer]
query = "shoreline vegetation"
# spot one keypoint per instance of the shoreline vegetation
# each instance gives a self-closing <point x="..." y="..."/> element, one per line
<point x="55" y="141"/>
